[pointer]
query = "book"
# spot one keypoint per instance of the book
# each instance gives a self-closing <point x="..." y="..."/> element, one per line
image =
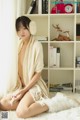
<point x="58" y="57"/>
<point x="55" y="89"/>
<point x="52" y="57"/>
<point x="78" y="29"/>
<point x="44" y="6"/>
<point x="78" y="7"/>
<point x="32" y="7"/>
<point x="39" y="6"/>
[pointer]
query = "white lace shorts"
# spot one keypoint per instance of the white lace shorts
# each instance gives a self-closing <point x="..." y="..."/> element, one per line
<point x="36" y="93"/>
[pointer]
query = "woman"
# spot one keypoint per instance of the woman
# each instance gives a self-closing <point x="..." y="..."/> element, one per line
<point x="28" y="101"/>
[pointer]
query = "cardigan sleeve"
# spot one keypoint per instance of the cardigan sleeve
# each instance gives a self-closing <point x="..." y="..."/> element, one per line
<point x="39" y="64"/>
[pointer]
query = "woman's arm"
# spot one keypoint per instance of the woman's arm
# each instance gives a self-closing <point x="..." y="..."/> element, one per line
<point x="21" y="81"/>
<point x="21" y="93"/>
<point x="33" y="81"/>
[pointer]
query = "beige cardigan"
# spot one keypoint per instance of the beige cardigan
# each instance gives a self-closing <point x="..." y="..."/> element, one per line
<point x="32" y="62"/>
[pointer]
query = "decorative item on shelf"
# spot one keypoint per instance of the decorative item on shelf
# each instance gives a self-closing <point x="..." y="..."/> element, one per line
<point x="62" y="6"/>
<point x="61" y="34"/>
<point x="78" y="61"/>
<point x="68" y="8"/>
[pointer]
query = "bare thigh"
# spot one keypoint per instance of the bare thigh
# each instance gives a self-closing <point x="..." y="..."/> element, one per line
<point x="24" y="104"/>
<point x="5" y="103"/>
<point x="26" y="101"/>
<point x="28" y="107"/>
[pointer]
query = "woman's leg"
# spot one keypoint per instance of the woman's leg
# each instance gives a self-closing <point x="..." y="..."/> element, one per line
<point x="28" y="107"/>
<point x="5" y="103"/>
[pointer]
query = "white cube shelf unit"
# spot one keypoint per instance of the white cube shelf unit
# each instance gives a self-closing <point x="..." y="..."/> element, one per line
<point x="67" y="74"/>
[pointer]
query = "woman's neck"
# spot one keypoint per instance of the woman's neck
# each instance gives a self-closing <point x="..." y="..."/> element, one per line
<point x="25" y="42"/>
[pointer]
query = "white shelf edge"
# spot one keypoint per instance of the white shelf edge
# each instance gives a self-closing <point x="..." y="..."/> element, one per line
<point x="66" y="68"/>
<point x="77" y="69"/>
<point x="43" y="41"/>
<point x="72" y="14"/>
<point x="62" y="41"/>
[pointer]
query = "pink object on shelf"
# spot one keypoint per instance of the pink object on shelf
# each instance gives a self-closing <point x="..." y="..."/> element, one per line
<point x="61" y="7"/>
<point x="58" y="8"/>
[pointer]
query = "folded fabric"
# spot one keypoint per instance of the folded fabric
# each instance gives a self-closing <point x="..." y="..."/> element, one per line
<point x="60" y="102"/>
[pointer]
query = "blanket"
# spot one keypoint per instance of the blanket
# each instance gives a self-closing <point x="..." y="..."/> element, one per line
<point x="70" y="114"/>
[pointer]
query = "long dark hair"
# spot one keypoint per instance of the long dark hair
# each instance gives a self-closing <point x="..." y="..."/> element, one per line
<point x="22" y="20"/>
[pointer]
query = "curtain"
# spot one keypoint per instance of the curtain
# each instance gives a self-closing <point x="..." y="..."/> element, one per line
<point x="9" y="11"/>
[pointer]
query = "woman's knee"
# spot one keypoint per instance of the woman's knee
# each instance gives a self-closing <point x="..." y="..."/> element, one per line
<point x="23" y="112"/>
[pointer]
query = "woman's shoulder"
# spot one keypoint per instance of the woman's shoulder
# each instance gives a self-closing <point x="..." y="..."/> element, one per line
<point x="37" y="44"/>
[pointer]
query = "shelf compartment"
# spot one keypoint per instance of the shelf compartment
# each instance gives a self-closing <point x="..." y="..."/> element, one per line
<point x="65" y="23"/>
<point x="61" y="77"/>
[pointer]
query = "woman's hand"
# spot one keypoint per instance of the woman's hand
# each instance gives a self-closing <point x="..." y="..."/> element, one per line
<point x="17" y="96"/>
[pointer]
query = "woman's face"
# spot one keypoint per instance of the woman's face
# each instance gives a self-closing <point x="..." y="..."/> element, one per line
<point x="23" y="33"/>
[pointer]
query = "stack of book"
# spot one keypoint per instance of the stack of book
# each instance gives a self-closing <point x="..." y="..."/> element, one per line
<point x="61" y="87"/>
<point x="32" y="7"/>
<point x="40" y="5"/>
<point x="54" y="56"/>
